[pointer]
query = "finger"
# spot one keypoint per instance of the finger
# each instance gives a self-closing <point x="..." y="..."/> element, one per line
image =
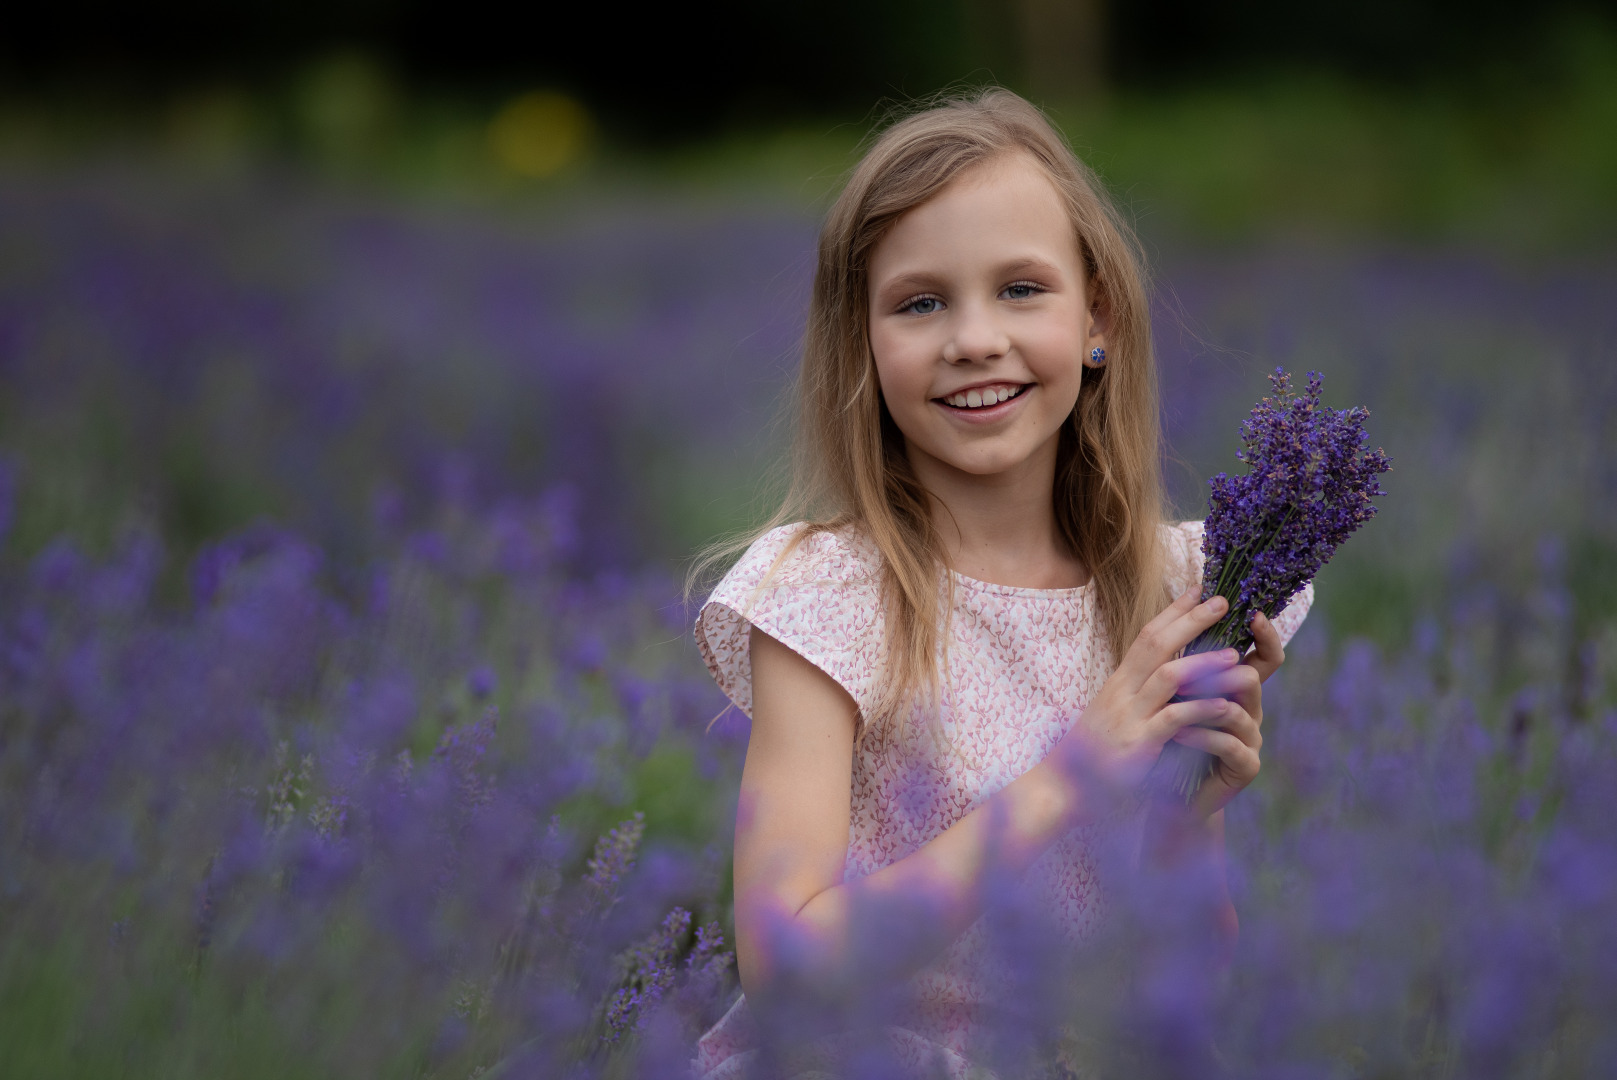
<point x="1224" y="715"/>
<point x="1157" y="628"/>
<point x="1268" y="654"/>
<point x="1165" y="636"/>
<point x="1184" y="602"/>
<point x="1239" y="683"/>
<point x="1238" y="722"/>
<point x="1220" y="680"/>
<point x="1174" y="718"/>
<point x="1172" y="677"/>
<point x="1241" y="762"/>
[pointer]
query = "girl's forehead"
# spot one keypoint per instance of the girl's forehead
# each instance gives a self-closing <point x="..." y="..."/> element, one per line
<point x="1011" y="169"/>
<point x="1005" y="180"/>
<point x="1006" y="201"/>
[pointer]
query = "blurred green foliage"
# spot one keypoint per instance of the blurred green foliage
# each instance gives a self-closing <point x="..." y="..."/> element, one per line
<point x="1521" y="163"/>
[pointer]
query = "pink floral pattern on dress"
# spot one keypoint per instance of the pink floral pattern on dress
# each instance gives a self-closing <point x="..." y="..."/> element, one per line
<point x="1022" y="664"/>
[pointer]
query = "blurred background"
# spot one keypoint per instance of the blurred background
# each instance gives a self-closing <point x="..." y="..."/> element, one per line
<point x="294" y="254"/>
<point x="370" y="369"/>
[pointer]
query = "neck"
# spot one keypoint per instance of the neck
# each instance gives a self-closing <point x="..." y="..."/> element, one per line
<point x="1001" y="528"/>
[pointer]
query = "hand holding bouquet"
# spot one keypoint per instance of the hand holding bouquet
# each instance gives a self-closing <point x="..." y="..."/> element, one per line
<point x="1308" y="486"/>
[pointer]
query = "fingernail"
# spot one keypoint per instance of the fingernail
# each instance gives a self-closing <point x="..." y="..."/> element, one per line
<point x="1229" y="656"/>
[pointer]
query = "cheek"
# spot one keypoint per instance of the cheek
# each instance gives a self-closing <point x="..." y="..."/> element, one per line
<point x="1056" y="354"/>
<point x="900" y="371"/>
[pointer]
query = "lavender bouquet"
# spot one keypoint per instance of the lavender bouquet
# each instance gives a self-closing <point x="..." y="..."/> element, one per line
<point x="1308" y="486"/>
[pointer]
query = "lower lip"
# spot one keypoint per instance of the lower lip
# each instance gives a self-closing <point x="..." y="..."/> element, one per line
<point x="985" y="414"/>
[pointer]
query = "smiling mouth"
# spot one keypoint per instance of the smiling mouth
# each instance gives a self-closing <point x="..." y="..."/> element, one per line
<point x="981" y="398"/>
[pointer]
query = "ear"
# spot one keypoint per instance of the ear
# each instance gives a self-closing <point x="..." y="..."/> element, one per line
<point x="1100" y="322"/>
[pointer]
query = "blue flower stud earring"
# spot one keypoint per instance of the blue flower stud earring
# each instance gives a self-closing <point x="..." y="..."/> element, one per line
<point x="1097" y="356"/>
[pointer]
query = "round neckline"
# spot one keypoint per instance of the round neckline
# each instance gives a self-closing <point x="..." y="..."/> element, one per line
<point x="978" y="585"/>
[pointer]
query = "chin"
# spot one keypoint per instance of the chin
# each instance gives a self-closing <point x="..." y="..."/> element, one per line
<point x="982" y="461"/>
<point x="992" y="467"/>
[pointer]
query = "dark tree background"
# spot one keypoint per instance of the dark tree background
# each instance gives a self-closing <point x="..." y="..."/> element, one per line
<point x="671" y="70"/>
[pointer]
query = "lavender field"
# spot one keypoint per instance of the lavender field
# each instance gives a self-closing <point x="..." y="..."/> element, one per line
<point x="350" y="723"/>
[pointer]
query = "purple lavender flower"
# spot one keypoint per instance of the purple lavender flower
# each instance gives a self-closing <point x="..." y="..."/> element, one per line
<point x="614" y="857"/>
<point x="650" y="973"/>
<point x="1424" y="877"/>
<point x="8" y="496"/>
<point x="1307" y="488"/>
<point x="481" y="681"/>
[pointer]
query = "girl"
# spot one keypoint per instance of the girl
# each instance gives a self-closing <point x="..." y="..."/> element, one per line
<point x="977" y="586"/>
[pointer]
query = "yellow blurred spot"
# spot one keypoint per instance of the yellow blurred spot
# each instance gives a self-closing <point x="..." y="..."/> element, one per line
<point x="539" y="133"/>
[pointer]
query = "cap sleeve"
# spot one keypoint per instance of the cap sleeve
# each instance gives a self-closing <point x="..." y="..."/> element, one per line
<point x="823" y="601"/>
<point x="1184" y="568"/>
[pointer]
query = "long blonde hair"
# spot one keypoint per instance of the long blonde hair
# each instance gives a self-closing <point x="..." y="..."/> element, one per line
<point x="850" y="471"/>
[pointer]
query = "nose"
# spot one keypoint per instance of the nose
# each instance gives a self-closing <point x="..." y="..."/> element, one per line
<point x="976" y="335"/>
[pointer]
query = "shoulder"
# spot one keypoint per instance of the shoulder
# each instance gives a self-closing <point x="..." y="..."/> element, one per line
<point x="1181" y="554"/>
<point x="798" y="556"/>
<point x="817" y="591"/>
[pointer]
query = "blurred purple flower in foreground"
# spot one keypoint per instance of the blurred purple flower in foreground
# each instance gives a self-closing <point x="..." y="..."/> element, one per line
<point x="256" y="818"/>
<point x="1307" y="488"/>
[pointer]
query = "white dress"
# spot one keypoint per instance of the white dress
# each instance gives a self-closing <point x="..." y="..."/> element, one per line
<point x="1022" y="666"/>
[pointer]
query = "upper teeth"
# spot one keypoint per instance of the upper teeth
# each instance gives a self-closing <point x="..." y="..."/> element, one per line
<point x="993" y="395"/>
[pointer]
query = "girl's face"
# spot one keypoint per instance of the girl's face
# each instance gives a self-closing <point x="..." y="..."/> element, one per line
<point x="980" y="322"/>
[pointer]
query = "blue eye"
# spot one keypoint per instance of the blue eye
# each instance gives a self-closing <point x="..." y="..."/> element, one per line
<point x="1022" y="290"/>
<point x="923" y="305"/>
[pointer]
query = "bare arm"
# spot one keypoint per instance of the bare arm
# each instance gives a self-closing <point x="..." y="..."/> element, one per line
<point x="792" y="829"/>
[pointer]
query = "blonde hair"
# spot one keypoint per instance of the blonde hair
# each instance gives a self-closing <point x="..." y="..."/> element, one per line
<point x="850" y="470"/>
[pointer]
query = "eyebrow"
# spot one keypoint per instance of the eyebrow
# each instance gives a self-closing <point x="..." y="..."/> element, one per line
<point x="922" y="279"/>
<point x="906" y="282"/>
<point x="1033" y="263"/>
